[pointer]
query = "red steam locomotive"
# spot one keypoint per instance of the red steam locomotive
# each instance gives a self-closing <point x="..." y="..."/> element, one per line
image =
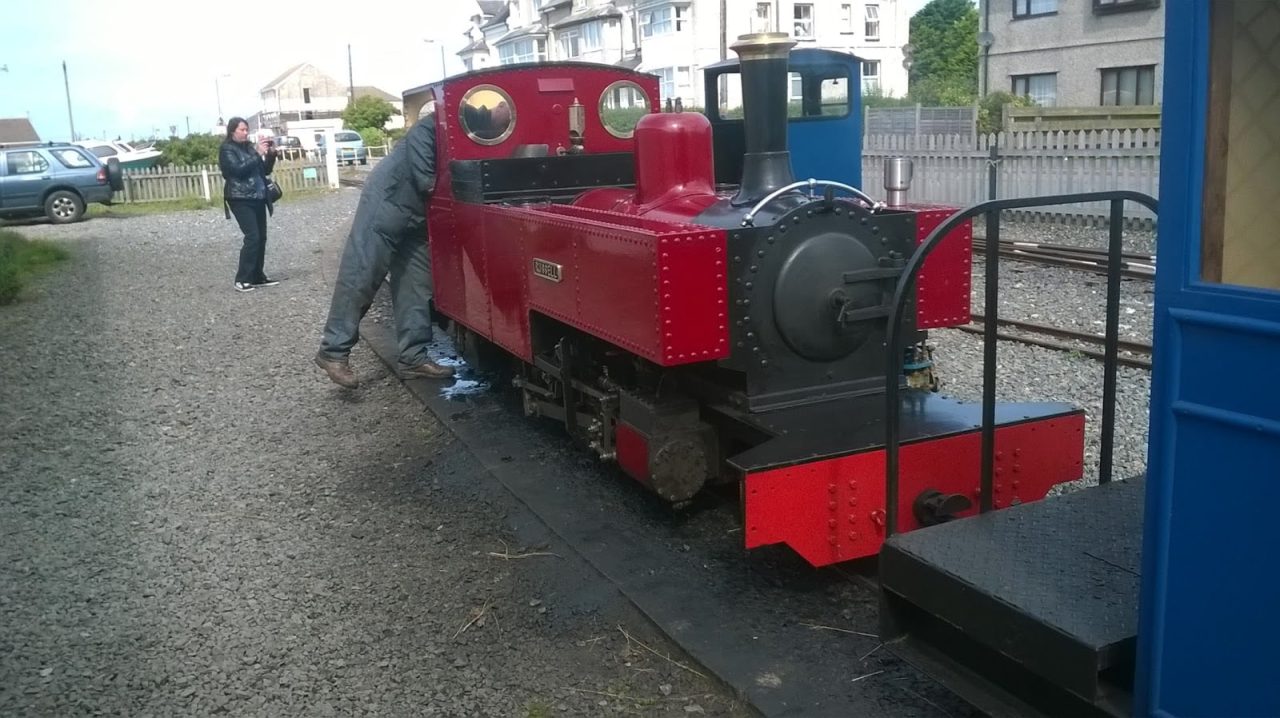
<point x="702" y="333"/>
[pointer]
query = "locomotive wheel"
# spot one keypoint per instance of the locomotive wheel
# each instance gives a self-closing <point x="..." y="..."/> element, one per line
<point x="678" y="469"/>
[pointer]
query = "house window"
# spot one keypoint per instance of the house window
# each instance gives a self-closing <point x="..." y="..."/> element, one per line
<point x="764" y="17"/>
<point x="873" y="22"/>
<point x="846" y="17"/>
<point x="664" y="20"/>
<point x="1031" y="8"/>
<point x="591" y="36"/>
<point x="672" y="81"/>
<point x="306" y="95"/>
<point x="1042" y="89"/>
<point x="1129" y="85"/>
<point x="570" y="44"/>
<point x="870" y="75"/>
<point x="803" y="21"/>
<point x="1109" y="6"/>
<point x="526" y="50"/>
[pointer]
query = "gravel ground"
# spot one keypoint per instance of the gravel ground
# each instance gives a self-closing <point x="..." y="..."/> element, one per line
<point x="197" y="522"/>
<point x="1067" y="298"/>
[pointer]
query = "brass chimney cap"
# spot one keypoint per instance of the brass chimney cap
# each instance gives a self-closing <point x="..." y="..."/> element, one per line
<point x="763" y="46"/>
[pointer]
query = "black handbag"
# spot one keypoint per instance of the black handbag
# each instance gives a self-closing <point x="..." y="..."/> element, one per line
<point x="274" y="193"/>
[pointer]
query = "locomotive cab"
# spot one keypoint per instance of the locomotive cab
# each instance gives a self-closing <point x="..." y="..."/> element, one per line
<point x="824" y="109"/>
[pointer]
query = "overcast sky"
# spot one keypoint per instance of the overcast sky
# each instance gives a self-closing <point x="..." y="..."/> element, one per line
<point x="135" y="67"/>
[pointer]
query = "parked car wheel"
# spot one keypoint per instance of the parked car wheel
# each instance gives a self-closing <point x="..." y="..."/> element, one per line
<point x="115" y="175"/>
<point x="63" y="207"/>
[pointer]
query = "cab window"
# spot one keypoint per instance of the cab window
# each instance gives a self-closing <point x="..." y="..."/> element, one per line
<point x="816" y="92"/>
<point x="1242" y="157"/>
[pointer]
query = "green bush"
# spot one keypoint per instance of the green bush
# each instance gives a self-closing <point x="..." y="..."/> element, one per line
<point x="373" y="137"/>
<point x="197" y="149"/>
<point x="991" y="109"/>
<point x="623" y="119"/>
<point x="20" y="258"/>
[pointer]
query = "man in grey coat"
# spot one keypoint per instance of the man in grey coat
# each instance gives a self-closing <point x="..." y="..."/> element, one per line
<point x="389" y="233"/>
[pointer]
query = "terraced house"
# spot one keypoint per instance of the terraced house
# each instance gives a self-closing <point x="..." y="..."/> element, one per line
<point x="1074" y="53"/>
<point x="675" y="39"/>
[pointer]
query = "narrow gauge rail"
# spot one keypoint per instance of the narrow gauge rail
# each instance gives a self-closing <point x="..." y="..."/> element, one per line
<point x="1133" y="266"/>
<point x="1141" y="350"/>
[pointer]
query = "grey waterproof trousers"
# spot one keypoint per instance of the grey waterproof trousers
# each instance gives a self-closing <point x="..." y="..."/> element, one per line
<point x="367" y="258"/>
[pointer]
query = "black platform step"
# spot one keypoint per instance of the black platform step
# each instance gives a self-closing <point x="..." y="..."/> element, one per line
<point x="1031" y="602"/>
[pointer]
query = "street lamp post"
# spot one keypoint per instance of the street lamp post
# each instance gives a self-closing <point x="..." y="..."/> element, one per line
<point x="217" y="86"/>
<point x="431" y="41"/>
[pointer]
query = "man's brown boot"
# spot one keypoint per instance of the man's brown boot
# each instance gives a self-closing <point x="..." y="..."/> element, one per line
<point x="426" y="370"/>
<point x="338" y="370"/>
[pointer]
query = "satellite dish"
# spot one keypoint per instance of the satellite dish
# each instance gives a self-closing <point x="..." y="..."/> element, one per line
<point x="986" y="39"/>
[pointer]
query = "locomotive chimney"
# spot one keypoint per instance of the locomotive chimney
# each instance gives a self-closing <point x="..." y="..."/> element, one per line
<point x="766" y="166"/>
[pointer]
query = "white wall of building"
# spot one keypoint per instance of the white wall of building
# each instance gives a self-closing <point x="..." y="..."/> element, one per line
<point x="677" y="38"/>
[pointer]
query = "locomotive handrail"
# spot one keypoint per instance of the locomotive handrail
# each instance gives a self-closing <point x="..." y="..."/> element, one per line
<point x="992" y="209"/>
<point x="811" y="183"/>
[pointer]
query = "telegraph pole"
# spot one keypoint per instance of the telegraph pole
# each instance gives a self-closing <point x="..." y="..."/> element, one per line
<point x="67" y="82"/>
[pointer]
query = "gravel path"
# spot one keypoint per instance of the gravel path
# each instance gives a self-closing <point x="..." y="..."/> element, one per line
<point x="197" y="522"/>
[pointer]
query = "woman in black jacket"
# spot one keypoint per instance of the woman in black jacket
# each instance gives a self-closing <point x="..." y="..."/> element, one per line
<point x="245" y="169"/>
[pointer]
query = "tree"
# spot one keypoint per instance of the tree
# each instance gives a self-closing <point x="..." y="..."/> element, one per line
<point x="945" y="63"/>
<point x="367" y="111"/>
<point x="195" y="149"/>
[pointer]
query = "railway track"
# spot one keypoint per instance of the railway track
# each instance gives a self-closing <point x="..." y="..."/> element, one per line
<point x="1132" y="266"/>
<point x="1131" y="353"/>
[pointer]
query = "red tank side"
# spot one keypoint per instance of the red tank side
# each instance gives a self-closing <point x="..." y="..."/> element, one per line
<point x="675" y="173"/>
<point x="943" y="288"/>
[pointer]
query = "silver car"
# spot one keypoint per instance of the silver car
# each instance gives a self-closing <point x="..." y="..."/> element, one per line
<point x="350" y="147"/>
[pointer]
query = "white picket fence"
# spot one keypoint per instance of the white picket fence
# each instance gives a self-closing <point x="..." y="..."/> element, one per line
<point x="175" y="182"/>
<point x="952" y="169"/>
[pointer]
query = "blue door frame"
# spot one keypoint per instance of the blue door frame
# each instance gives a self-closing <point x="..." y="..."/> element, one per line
<point x="1209" y="614"/>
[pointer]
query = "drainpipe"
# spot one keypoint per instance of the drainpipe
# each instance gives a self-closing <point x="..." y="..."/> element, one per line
<point x="984" y="86"/>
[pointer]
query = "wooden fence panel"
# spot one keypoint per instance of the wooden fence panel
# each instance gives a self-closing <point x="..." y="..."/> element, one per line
<point x="953" y="169"/>
<point x="166" y="184"/>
